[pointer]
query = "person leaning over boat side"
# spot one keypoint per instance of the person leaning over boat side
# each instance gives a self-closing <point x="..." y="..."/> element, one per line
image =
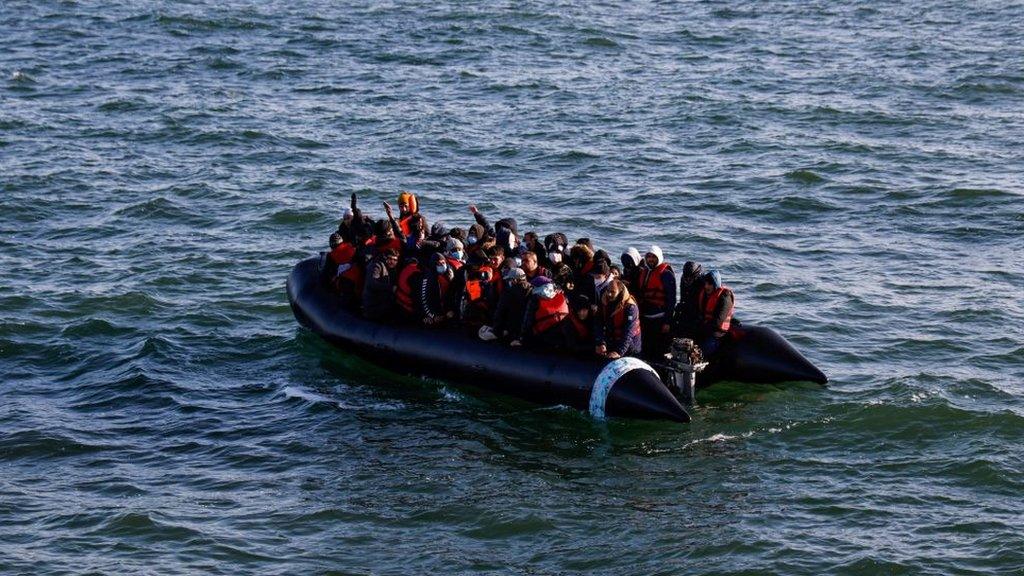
<point x="716" y="302"/>
<point x="379" y="290"/>
<point x="687" y="316"/>
<point x="407" y="289"/>
<point x="436" y="297"/>
<point x="508" y="316"/>
<point x="618" y="327"/>
<point x="630" y="267"/>
<point x="544" y="322"/>
<point x="657" y="299"/>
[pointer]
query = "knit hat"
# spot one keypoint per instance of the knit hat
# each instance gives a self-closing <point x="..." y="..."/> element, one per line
<point x="453" y="245"/>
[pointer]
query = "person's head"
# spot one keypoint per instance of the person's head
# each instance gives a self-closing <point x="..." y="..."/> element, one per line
<point x="506" y="265"/>
<point x="581" y="306"/>
<point x="543" y="287"/>
<point x="691" y="272"/>
<point x="513" y="276"/>
<point x="580" y="255"/>
<point x="407" y="204"/>
<point x="614" y="294"/>
<point x="555" y="245"/>
<point x="454" y="250"/>
<point x="616" y="272"/>
<point x="475" y="235"/>
<point x="438" y="231"/>
<point x="382" y="229"/>
<point x="653" y="258"/>
<point x="439" y="263"/>
<point x="712" y="281"/>
<point x="530" y="239"/>
<point x="630" y="259"/>
<point x="335" y="240"/>
<point x="495" y="256"/>
<point x="347" y="218"/>
<point x="391" y="258"/>
<point x="585" y="242"/>
<point x="601" y="271"/>
<point x="418" y="225"/>
<point x="529" y="262"/>
<point x="459" y="234"/>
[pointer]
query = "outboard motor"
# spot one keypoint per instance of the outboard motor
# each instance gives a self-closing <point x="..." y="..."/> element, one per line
<point x="682" y="364"/>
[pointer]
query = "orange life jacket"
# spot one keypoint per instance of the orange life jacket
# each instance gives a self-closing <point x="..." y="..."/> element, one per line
<point x="405" y="223"/>
<point x="708" y="305"/>
<point x="652" y="289"/>
<point x="581" y="327"/>
<point x="475" y="288"/>
<point x="404" y="292"/>
<point x="550" y="311"/>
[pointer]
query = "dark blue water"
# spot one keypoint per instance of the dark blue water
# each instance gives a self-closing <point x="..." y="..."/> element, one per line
<point x="854" y="170"/>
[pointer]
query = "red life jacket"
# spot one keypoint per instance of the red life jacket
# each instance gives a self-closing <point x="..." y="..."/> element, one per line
<point x="708" y="305"/>
<point x="455" y="264"/>
<point x="404" y="292"/>
<point x="550" y="312"/>
<point x="615" y="325"/>
<point x="652" y="289"/>
<point x="582" y="329"/>
<point x="345" y="253"/>
<point x="442" y="284"/>
<point x="392" y="244"/>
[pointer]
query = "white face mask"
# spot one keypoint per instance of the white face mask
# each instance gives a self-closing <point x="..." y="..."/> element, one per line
<point x="555" y="257"/>
<point x="471" y="240"/>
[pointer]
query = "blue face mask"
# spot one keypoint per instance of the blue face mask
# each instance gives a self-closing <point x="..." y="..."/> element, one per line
<point x="441" y="268"/>
<point x="457" y="254"/>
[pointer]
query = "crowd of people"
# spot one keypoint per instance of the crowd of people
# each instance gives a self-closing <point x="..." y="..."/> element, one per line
<point x="521" y="290"/>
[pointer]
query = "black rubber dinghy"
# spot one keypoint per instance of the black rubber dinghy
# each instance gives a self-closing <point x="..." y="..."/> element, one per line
<point x="626" y="387"/>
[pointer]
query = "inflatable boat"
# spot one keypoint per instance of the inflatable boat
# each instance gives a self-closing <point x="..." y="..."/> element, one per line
<point x="625" y="387"/>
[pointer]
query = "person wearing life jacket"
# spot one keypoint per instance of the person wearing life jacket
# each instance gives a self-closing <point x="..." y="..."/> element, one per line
<point x="436" y="296"/>
<point x="656" y="297"/>
<point x="508" y="316"/>
<point x="386" y="236"/>
<point x="688" y="317"/>
<point x="581" y="322"/>
<point x="532" y="267"/>
<point x="630" y="267"/>
<point x="545" y="322"/>
<point x="617" y="330"/>
<point x="716" y="302"/>
<point x="379" y="289"/>
<point x="344" y="274"/>
<point x="408" y="206"/>
<point x="407" y="290"/>
<point x="478" y="295"/>
<point x="329" y="268"/>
